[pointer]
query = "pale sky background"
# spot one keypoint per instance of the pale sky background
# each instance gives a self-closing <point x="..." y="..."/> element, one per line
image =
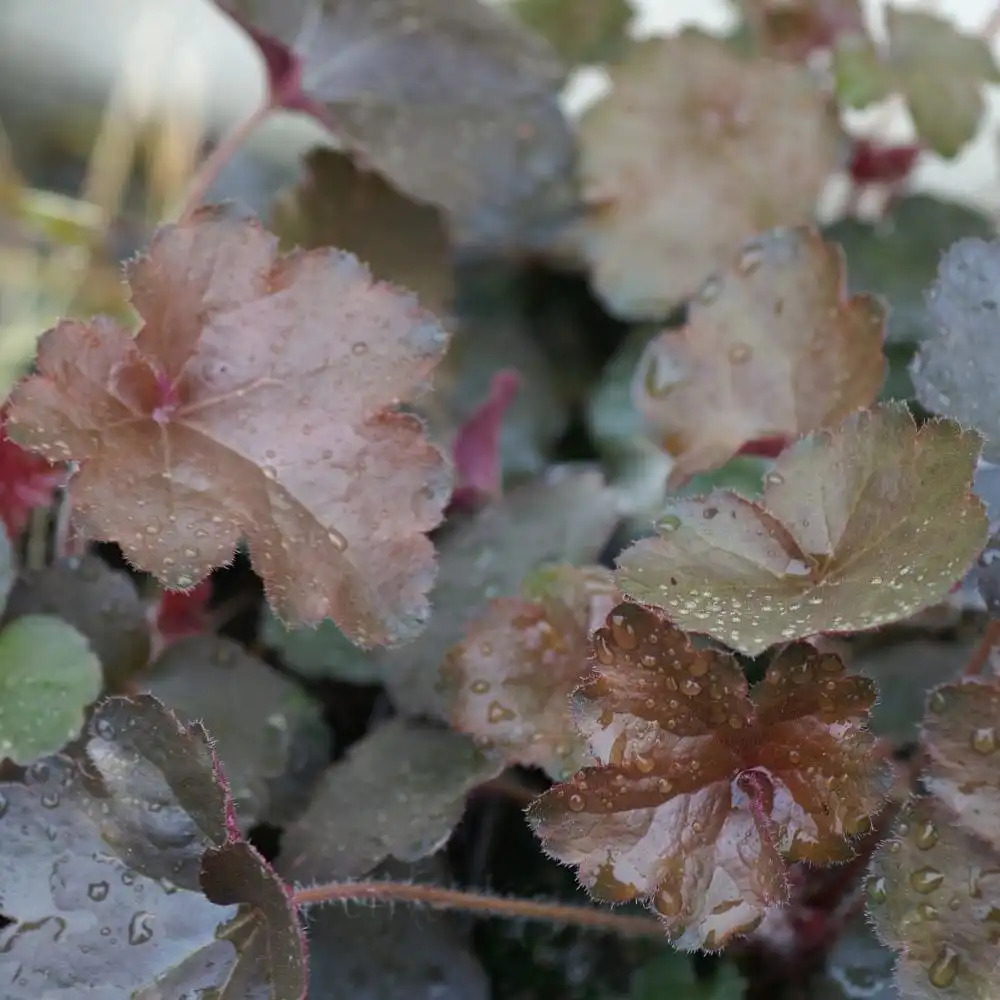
<point x="184" y="53"/>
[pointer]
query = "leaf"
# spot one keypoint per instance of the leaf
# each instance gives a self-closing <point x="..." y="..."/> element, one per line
<point x="99" y="602"/>
<point x="593" y="32"/>
<point x="401" y="82"/>
<point x="339" y="204"/>
<point x="703" y="790"/>
<point x="190" y="436"/>
<point x="48" y="676"/>
<point x="177" y="614"/>
<point x="771" y="349"/>
<point x="956" y="370"/>
<point x="269" y="736"/>
<point x="939" y="71"/>
<point x="673" y="974"/>
<point x="933" y="895"/>
<point x="565" y="516"/>
<point x="962" y="740"/>
<point x="509" y="681"/>
<point x="476" y="448"/>
<point x="103" y="869"/>
<point x="857" y="527"/>
<point x="678" y="162"/>
<point x="898" y="256"/>
<point x="392" y="953"/>
<point x="398" y="794"/>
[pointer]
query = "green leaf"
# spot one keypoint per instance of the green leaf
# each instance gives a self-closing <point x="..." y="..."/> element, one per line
<point x="957" y="370"/>
<point x="100" y="602"/>
<point x="398" y="794"/>
<point x="8" y="569"/>
<point x="590" y="32"/>
<point x="897" y="257"/>
<point x="858" y="526"/>
<point x="48" y="676"/>
<point x="672" y="974"/>
<point x="861" y="77"/>
<point x="269" y="736"/>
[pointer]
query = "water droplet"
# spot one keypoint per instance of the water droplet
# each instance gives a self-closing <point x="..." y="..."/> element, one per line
<point x="498" y="712"/>
<point x="602" y="648"/>
<point x="643" y="763"/>
<point x="576" y="802"/>
<point x="877" y="891"/>
<point x="104" y="729"/>
<point x="740" y="354"/>
<point x="698" y="668"/>
<point x="927" y="836"/>
<point x="927" y="912"/>
<point x="937" y="702"/>
<point x="50" y="800"/>
<point x="690" y="687"/>
<point x="984" y="740"/>
<point x="751" y="257"/>
<point x="479" y="686"/>
<point x="98" y="891"/>
<point x="337" y="540"/>
<point x="669" y="523"/>
<point x="270" y="472"/>
<point x="140" y="927"/>
<point x="944" y="969"/>
<point x="665" y="787"/>
<point x="774" y="479"/>
<point x="623" y="632"/>
<point x="667" y="903"/>
<point x="359" y="348"/>
<point x="925" y="880"/>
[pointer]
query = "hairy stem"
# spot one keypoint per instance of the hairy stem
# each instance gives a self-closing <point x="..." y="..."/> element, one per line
<point x="439" y="898"/>
<point x="221" y="154"/>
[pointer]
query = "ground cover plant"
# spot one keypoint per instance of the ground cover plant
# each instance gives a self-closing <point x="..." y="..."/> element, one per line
<point x="520" y="555"/>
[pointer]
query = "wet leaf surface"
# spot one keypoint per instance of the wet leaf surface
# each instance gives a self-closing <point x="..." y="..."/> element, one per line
<point x="214" y="438"/>
<point x="107" y="863"/>
<point x="771" y="350"/>
<point x="398" y="794"/>
<point x="704" y="788"/>
<point x="933" y="895"/>
<point x="269" y="736"/>
<point x="510" y="679"/>
<point x="48" y="676"/>
<point x="957" y="368"/>
<point x="337" y="204"/>
<point x="101" y="603"/>
<point x="678" y="162"/>
<point x="857" y="527"/>
<point x="452" y="100"/>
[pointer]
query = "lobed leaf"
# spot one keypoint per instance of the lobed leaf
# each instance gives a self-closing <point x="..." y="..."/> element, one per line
<point x="772" y="349"/>
<point x="122" y="876"/>
<point x="956" y="370"/>
<point x="259" y="400"/>
<point x="268" y="735"/>
<point x="792" y="29"/>
<point x="857" y="527"/>
<point x="48" y="676"/>
<point x="510" y="679"/>
<point x="400" y="81"/>
<point x="338" y="204"/>
<point x="398" y="794"/>
<point x="703" y="789"/>
<point x="678" y="162"/>
<point x="934" y="896"/>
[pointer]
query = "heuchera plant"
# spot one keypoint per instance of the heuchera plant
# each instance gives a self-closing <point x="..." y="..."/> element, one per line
<point x="325" y="579"/>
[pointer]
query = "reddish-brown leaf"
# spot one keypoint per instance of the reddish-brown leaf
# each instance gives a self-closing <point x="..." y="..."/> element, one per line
<point x="705" y="789"/>
<point x="695" y="150"/>
<point x="772" y="350"/>
<point x="511" y="679"/>
<point x="258" y="399"/>
<point x="792" y="29"/>
<point x="26" y="481"/>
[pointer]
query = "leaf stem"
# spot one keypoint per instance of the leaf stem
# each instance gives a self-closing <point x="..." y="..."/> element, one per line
<point x="439" y="898"/>
<point x="981" y="654"/>
<point x="221" y="154"/>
